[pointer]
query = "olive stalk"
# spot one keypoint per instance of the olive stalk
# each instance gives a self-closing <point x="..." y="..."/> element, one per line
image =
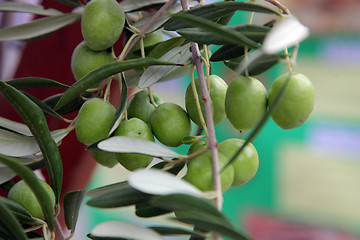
<point x="213" y="145"/>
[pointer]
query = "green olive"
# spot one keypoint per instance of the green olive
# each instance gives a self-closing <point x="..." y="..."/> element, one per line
<point x="197" y="146"/>
<point x="245" y="164"/>
<point x="245" y="103"/>
<point x="170" y="124"/>
<point x="135" y="128"/>
<point x="84" y="60"/>
<point x="217" y="93"/>
<point x="106" y="159"/>
<point x="141" y="107"/>
<point x="22" y="194"/>
<point x="200" y="172"/>
<point x="102" y="23"/>
<point x="296" y="103"/>
<point x="94" y="120"/>
<point x="150" y="40"/>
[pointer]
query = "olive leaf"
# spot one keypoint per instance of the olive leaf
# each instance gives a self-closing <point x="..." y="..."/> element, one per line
<point x="38" y="28"/>
<point x="13" y="6"/>
<point x="9" y="226"/>
<point x="72" y="202"/>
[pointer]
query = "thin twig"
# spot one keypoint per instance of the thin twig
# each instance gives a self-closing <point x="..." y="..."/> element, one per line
<point x="147" y="25"/>
<point x="278" y="4"/>
<point x="59" y="230"/>
<point x="213" y="145"/>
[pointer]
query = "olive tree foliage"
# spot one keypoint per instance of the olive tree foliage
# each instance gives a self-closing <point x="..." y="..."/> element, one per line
<point x="246" y="48"/>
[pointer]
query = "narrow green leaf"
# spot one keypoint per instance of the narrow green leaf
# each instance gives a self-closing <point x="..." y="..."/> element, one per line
<point x="145" y="210"/>
<point x="44" y="107"/>
<point x="72" y="106"/>
<point x="14" y="126"/>
<point x="259" y="125"/>
<point x="216" y="29"/>
<point x="166" y="46"/>
<point x="103" y="72"/>
<point x="217" y="10"/>
<point x="74" y="3"/>
<point x="122" y="105"/>
<point x="123" y="144"/>
<point x="131" y="5"/>
<point x="126" y="230"/>
<point x="27" y="8"/>
<point x="35" y="82"/>
<point x="167" y="231"/>
<point x="107" y="189"/>
<point x="17" y="145"/>
<point x="226" y="52"/>
<point x="72" y="203"/>
<point x="37" y="28"/>
<point x="205" y="223"/>
<point x="257" y="67"/>
<point x="154" y="74"/>
<point x="35" y="120"/>
<point x="203" y="36"/>
<point x="122" y="197"/>
<point x="159" y="21"/>
<point x="33" y="182"/>
<point x="19" y="211"/>
<point x="188" y="203"/>
<point x="9" y="222"/>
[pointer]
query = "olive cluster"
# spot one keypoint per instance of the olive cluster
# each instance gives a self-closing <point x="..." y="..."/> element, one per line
<point x="244" y="102"/>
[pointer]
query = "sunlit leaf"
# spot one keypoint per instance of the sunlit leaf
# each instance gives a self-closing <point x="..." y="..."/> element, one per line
<point x="132" y="5"/>
<point x="15" y="145"/>
<point x="35" y="82"/>
<point x="217" y="10"/>
<point x="11" y="228"/>
<point x="122" y="105"/>
<point x="35" y="120"/>
<point x="123" y="144"/>
<point x="157" y="182"/>
<point x="37" y="27"/>
<point x="13" y="6"/>
<point x="72" y="203"/>
<point x="154" y="73"/>
<point x="15" y="126"/>
<point x="125" y="230"/>
<point x="285" y="34"/>
<point x="160" y="21"/>
<point x="35" y="185"/>
<point x="103" y="72"/>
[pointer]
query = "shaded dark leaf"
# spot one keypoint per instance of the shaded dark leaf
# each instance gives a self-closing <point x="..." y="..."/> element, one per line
<point x="35" y="120"/>
<point x="9" y="226"/>
<point x="35" y="82"/>
<point x="227" y="52"/>
<point x="203" y="36"/>
<point x="215" y="11"/>
<point x="146" y="210"/>
<point x="72" y="203"/>
<point x="168" y="231"/>
<point x="19" y="211"/>
<point x="103" y="72"/>
<point x="257" y="67"/>
<point x="125" y="196"/>
<point x="35" y="185"/>
<point x="72" y="106"/>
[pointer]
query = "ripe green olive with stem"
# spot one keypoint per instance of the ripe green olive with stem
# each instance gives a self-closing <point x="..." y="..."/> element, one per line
<point x="217" y="93"/>
<point x="245" y="103"/>
<point x="170" y="124"/>
<point x="22" y="194"/>
<point x="296" y="103"/>
<point x="135" y="128"/>
<point x="94" y="120"/>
